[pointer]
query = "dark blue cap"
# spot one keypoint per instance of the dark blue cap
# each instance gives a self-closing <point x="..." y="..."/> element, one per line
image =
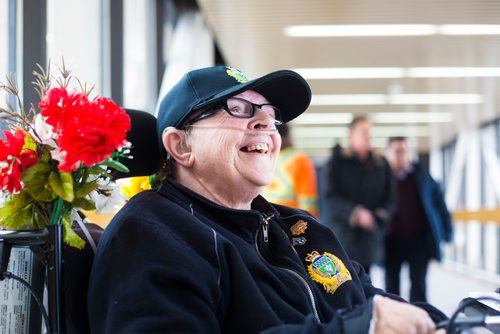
<point x="200" y="88"/>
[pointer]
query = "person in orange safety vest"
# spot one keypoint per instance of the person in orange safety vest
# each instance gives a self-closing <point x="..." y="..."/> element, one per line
<point x="294" y="182"/>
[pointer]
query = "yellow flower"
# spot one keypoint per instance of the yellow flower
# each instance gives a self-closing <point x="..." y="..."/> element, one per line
<point x="135" y="185"/>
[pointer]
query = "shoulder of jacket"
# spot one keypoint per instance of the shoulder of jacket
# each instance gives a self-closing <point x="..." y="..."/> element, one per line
<point x="343" y="152"/>
<point x="379" y="159"/>
<point x="419" y="170"/>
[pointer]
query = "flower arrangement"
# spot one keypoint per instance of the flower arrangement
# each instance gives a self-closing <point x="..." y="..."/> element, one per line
<point x="55" y="159"/>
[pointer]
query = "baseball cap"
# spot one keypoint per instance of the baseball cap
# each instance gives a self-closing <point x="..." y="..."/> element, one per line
<point x="200" y="88"/>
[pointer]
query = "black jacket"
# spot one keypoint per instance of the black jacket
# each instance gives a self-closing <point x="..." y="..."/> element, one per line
<point x="173" y="261"/>
<point x="348" y="182"/>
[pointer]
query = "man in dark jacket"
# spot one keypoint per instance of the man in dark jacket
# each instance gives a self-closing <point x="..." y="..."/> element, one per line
<point x="358" y="195"/>
<point x="207" y="254"/>
<point x="421" y="222"/>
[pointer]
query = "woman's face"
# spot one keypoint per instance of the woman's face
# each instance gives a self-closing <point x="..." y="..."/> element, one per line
<point x="235" y="156"/>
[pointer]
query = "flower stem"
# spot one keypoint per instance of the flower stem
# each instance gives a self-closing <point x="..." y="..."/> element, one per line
<point x="55" y="217"/>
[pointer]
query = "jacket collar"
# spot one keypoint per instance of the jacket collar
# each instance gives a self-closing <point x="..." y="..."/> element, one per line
<point x="242" y="222"/>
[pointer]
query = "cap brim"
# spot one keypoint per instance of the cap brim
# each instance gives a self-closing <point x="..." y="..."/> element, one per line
<point x="285" y="89"/>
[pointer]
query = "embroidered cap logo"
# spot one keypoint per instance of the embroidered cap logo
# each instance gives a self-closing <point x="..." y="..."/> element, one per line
<point x="239" y="76"/>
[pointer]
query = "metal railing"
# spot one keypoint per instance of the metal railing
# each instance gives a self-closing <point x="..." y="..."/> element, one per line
<point x="476" y="243"/>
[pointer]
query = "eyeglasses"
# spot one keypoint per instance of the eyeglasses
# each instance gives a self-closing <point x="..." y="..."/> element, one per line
<point x="240" y="108"/>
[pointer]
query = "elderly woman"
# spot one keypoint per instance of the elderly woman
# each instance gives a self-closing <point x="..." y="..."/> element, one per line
<point x="206" y="254"/>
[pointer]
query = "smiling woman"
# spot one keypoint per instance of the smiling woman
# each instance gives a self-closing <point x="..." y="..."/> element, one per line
<point x="265" y="267"/>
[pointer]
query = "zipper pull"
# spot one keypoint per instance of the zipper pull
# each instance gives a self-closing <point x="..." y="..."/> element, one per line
<point x="265" y="228"/>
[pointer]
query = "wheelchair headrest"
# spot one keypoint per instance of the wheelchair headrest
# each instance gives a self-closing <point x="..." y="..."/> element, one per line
<point x="145" y="151"/>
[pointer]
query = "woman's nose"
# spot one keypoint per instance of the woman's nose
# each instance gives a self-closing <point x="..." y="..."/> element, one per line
<point x="262" y="119"/>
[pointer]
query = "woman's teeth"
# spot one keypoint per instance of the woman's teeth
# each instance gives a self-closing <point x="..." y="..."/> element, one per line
<point x="261" y="148"/>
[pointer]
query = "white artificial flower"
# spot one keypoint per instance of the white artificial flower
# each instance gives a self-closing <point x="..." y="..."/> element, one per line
<point x="108" y="199"/>
<point x="57" y="154"/>
<point x="44" y="132"/>
<point x="4" y="197"/>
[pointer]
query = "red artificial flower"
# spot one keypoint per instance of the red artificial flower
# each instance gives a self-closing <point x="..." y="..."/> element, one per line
<point x="87" y="131"/>
<point x="94" y="130"/>
<point x="14" y="160"/>
<point x="52" y="105"/>
<point x="58" y="105"/>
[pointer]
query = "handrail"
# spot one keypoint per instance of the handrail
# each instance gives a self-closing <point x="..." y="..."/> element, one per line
<point x="482" y="215"/>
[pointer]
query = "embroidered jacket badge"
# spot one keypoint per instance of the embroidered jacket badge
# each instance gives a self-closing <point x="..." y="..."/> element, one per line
<point x="328" y="270"/>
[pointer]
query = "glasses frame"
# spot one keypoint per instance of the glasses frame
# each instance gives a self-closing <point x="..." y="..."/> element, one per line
<point x="223" y="105"/>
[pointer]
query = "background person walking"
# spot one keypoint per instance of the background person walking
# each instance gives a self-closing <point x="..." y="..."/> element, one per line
<point x="421" y="222"/>
<point x="358" y="195"/>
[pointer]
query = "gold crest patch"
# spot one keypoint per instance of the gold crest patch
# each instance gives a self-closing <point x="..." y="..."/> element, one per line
<point x="299" y="227"/>
<point x="328" y="270"/>
<point x="240" y="77"/>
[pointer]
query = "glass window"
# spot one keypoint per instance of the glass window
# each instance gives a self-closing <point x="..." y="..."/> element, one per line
<point x="74" y="34"/>
<point x="4" y="46"/>
<point x="139" y="55"/>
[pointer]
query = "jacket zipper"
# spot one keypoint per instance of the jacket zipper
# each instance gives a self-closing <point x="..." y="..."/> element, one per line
<point x="265" y="228"/>
<point x="265" y="232"/>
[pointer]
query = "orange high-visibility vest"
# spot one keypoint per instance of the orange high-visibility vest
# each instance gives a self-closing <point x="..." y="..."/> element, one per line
<point x="294" y="183"/>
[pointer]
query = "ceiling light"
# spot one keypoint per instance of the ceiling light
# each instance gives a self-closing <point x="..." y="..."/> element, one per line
<point x="434" y="99"/>
<point x="319" y="132"/>
<point x="324" y="118"/>
<point x="348" y="99"/>
<point x="351" y="73"/>
<point x="390" y="30"/>
<point x="469" y="29"/>
<point x="400" y="99"/>
<point x="310" y="144"/>
<point x="412" y="117"/>
<point x="336" y="73"/>
<point x="342" y="131"/>
<point x="310" y="118"/>
<point x="401" y="131"/>
<point x="452" y="72"/>
<point x="360" y="30"/>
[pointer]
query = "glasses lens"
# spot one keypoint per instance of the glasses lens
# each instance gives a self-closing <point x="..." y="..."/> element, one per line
<point x="239" y="108"/>
<point x="273" y="111"/>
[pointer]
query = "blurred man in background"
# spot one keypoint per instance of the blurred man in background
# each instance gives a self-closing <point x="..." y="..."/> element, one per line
<point x="420" y="224"/>
<point x="358" y="195"/>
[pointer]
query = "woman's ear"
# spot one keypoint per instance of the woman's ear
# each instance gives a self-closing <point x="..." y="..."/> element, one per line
<point x="176" y="144"/>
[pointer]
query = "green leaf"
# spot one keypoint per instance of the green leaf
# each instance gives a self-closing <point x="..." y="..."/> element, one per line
<point x="19" y="220"/>
<point x="96" y="170"/>
<point x="62" y="184"/>
<point x="69" y="236"/>
<point x="45" y="156"/>
<point x="17" y="213"/>
<point x="85" y="189"/>
<point x="39" y="221"/>
<point x="84" y="204"/>
<point x="35" y="180"/>
<point x="115" y="165"/>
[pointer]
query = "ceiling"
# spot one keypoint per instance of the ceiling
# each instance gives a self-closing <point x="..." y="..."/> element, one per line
<point x="250" y="35"/>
